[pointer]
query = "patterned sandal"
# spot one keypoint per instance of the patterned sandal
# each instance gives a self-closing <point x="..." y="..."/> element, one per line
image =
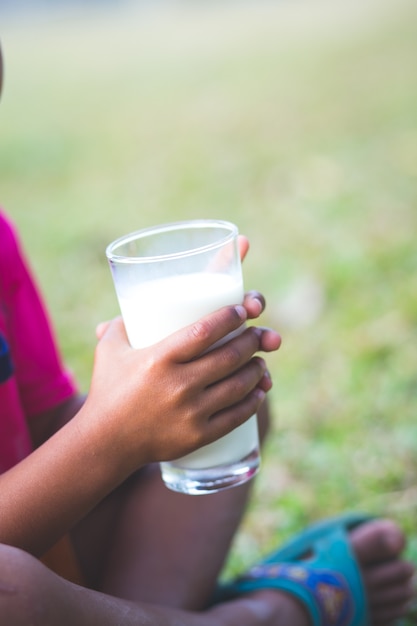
<point x="319" y="568"/>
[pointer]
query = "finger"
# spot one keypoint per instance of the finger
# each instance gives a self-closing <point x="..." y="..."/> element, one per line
<point x="195" y="339"/>
<point x="270" y="340"/>
<point x="236" y="387"/>
<point x="254" y="303"/>
<point x="266" y="382"/>
<point x="236" y="414"/>
<point x="227" y="256"/>
<point x="228" y="252"/>
<point x="243" y="245"/>
<point x="225" y="359"/>
<point x="228" y="358"/>
<point x="112" y="331"/>
<point x="101" y="329"/>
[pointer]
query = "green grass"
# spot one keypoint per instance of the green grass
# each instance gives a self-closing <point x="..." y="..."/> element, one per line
<point x="298" y="121"/>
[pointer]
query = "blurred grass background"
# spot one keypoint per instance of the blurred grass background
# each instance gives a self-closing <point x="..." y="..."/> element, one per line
<point x="297" y="121"/>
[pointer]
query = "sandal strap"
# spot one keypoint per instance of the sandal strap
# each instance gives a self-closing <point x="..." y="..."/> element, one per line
<point x="324" y="590"/>
<point x="328" y="583"/>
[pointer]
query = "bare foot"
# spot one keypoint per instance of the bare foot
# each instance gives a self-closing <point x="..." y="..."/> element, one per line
<point x="387" y="577"/>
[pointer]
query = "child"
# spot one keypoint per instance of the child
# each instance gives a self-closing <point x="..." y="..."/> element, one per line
<point x="81" y="475"/>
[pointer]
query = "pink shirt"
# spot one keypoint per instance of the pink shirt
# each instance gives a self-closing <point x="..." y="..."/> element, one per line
<point x="32" y="376"/>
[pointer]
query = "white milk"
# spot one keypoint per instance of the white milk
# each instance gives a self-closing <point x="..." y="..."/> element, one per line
<point x="155" y="309"/>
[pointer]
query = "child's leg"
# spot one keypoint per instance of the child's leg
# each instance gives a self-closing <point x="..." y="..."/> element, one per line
<point x="31" y="594"/>
<point x="165" y="547"/>
<point x="170" y="548"/>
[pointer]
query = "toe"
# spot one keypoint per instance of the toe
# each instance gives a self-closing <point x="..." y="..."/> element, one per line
<point x="388" y="579"/>
<point x="377" y="541"/>
<point x="389" y="574"/>
<point x="389" y="616"/>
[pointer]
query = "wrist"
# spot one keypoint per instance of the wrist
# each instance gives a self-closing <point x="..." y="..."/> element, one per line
<point x="108" y="446"/>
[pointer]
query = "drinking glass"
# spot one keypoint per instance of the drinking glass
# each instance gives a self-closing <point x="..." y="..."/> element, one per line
<point x="167" y="277"/>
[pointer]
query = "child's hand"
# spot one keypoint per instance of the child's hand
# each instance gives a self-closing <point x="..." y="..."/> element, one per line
<point x="162" y="402"/>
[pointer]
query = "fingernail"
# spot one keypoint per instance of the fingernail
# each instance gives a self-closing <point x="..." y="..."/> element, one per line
<point x="241" y="311"/>
<point x="258" y="331"/>
<point x="99" y="329"/>
<point x="267" y="380"/>
<point x="260" y="394"/>
<point x="260" y="304"/>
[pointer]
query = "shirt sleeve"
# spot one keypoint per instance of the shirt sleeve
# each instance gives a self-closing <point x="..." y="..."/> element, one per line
<point x="42" y="379"/>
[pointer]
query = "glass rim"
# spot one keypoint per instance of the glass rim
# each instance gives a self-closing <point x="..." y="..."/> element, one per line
<point x="231" y="232"/>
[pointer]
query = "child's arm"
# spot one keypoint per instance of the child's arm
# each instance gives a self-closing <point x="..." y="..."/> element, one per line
<point x="48" y="422"/>
<point x="45" y="424"/>
<point x="144" y="405"/>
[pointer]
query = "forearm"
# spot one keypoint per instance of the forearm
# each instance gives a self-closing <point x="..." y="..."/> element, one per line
<point x="157" y="404"/>
<point x="43" y="496"/>
<point x="244" y="612"/>
<point x="45" y="425"/>
<point x="88" y="607"/>
<point x="42" y="598"/>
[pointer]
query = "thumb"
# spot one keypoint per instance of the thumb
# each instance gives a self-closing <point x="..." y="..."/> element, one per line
<point x="111" y="329"/>
<point x="101" y="329"/>
<point x="243" y="244"/>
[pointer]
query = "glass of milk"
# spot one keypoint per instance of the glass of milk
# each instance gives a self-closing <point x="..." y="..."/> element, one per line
<point x="167" y="277"/>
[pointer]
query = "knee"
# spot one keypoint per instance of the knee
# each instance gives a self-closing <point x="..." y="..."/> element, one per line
<point x="21" y="587"/>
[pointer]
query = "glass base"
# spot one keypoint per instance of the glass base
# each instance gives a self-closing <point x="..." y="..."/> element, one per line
<point x="210" y="479"/>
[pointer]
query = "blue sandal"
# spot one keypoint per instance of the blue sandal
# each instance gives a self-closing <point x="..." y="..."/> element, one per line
<point x="319" y="568"/>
